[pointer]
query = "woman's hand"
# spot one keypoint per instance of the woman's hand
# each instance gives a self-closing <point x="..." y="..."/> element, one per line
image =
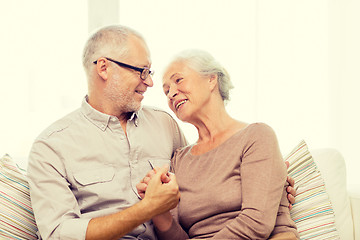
<point x="164" y="220"/>
<point x="290" y="189"/>
<point x="142" y="185"/>
<point x="161" y="192"/>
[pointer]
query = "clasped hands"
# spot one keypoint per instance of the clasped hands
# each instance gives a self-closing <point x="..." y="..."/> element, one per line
<point x="159" y="190"/>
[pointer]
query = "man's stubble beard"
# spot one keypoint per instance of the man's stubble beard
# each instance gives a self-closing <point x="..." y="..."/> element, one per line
<point x="122" y="99"/>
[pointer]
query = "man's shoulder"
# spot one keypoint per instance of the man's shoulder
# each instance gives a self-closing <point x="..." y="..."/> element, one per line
<point x="156" y="111"/>
<point x="59" y="125"/>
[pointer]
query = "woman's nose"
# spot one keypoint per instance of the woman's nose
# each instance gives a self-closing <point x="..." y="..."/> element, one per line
<point x="172" y="92"/>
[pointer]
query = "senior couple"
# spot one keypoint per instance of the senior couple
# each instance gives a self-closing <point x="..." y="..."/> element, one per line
<point x="101" y="172"/>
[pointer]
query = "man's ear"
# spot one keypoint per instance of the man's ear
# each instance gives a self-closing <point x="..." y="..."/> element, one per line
<point x="102" y="68"/>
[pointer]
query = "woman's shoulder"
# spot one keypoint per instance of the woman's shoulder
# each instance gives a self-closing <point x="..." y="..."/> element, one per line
<point x="258" y="132"/>
<point x="181" y="156"/>
<point x="259" y="128"/>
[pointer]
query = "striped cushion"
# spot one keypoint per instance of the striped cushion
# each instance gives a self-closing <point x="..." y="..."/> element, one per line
<point x="16" y="216"/>
<point x="312" y="211"/>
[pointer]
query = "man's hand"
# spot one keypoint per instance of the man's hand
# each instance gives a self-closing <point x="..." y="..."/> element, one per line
<point x="160" y="194"/>
<point x="290" y="189"/>
<point x="159" y="190"/>
<point x="142" y="185"/>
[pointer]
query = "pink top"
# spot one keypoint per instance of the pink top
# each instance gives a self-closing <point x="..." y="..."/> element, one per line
<point x="235" y="191"/>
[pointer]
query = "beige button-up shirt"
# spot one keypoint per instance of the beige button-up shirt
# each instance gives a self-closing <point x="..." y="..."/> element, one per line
<point x="84" y="166"/>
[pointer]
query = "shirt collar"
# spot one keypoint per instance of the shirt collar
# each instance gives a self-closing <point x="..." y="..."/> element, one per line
<point x="101" y="120"/>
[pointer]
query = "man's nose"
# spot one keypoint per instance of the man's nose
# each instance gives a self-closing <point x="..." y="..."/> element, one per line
<point x="148" y="81"/>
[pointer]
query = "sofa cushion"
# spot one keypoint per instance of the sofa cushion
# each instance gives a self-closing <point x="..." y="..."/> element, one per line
<point x="16" y="215"/>
<point x="333" y="169"/>
<point x="312" y="212"/>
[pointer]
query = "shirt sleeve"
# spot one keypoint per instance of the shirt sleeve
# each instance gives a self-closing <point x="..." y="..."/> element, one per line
<point x="179" y="139"/>
<point x="55" y="207"/>
<point x="263" y="176"/>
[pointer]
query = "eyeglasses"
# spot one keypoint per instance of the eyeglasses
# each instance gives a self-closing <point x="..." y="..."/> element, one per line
<point x="144" y="72"/>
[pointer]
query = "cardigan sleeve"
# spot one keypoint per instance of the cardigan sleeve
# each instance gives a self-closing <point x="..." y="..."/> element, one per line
<point x="175" y="232"/>
<point x="263" y="175"/>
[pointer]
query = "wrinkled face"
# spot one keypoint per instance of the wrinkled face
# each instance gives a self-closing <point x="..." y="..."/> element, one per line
<point x="125" y="88"/>
<point x="186" y="90"/>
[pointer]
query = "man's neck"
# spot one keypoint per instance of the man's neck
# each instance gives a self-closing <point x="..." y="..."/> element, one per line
<point x="123" y="118"/>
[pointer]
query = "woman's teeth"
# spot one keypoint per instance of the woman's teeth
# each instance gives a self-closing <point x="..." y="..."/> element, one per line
<point x="180" y="103"/>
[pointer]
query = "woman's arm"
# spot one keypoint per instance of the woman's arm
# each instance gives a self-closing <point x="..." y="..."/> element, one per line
<point x="165" y="225"/>
<point x="263" y="177"/>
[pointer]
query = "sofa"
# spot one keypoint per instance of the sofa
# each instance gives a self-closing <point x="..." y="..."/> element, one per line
<point x="326" y="206"/>
<point x="345" y="198"/>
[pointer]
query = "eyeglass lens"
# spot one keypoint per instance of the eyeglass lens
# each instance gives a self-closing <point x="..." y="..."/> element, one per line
<point x="144" y="74"/>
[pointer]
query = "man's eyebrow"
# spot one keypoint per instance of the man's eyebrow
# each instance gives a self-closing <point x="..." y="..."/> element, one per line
<point x="146" y="65"/>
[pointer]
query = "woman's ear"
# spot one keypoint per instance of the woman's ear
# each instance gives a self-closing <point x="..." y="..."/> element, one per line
<point x="213" y="82"/>
<point x="102" y="68"/>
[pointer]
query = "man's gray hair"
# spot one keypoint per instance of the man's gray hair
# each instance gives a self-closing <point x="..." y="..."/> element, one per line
<point x="106" y="41"/>
<point x="206" y="65"/>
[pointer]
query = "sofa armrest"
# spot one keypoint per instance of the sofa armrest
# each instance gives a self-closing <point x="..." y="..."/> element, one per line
<point x="354" y="194"/>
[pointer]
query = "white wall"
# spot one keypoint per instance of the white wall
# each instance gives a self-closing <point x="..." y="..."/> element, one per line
<point x="40" y="68"/>
<point x="294" y="64"/>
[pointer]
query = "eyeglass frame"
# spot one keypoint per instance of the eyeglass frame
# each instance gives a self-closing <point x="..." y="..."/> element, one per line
<point x="144" y="72"/>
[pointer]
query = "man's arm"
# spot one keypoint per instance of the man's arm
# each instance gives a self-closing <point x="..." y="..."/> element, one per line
<point x="119" y="224"/>
<point x="159" y="198"/>
<point x="57" y="211"/>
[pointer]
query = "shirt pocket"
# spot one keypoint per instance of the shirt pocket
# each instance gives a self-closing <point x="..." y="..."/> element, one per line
<point x="94" y="176"/>
<point x="95" y="186"/>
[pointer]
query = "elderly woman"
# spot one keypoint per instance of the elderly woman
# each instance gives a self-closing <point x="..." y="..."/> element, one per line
<point x="233" y="179"/>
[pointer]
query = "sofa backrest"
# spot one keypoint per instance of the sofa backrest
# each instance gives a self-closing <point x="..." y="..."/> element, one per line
<point x="333" y="170"/>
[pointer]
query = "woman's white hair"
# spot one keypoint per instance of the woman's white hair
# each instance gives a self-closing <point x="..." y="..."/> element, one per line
<point x="206" y="65"/>
<point x="105" y="41"/>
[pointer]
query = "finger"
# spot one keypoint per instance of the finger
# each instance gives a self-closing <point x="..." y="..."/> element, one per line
<point x="172" y="178"/>
<point x="151" y="173"/>
<point x="164" y="169"/>
<point x="291" y="198"/>
<point x="146" y="180"/>
<point x="291" y="190"/>
<point x="156" y="169"/>
<point x="141" y="187"/>
<point x="287" y="164"/>
<point x="291" y="181"/>
<point x="165" y="178"/>
<point x="159" y="172"/>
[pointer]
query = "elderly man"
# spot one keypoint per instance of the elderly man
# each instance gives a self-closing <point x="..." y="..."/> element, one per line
<point x="84" y="168"/>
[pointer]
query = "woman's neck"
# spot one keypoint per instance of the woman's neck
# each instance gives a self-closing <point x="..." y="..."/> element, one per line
<point x="214" y="127"/>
